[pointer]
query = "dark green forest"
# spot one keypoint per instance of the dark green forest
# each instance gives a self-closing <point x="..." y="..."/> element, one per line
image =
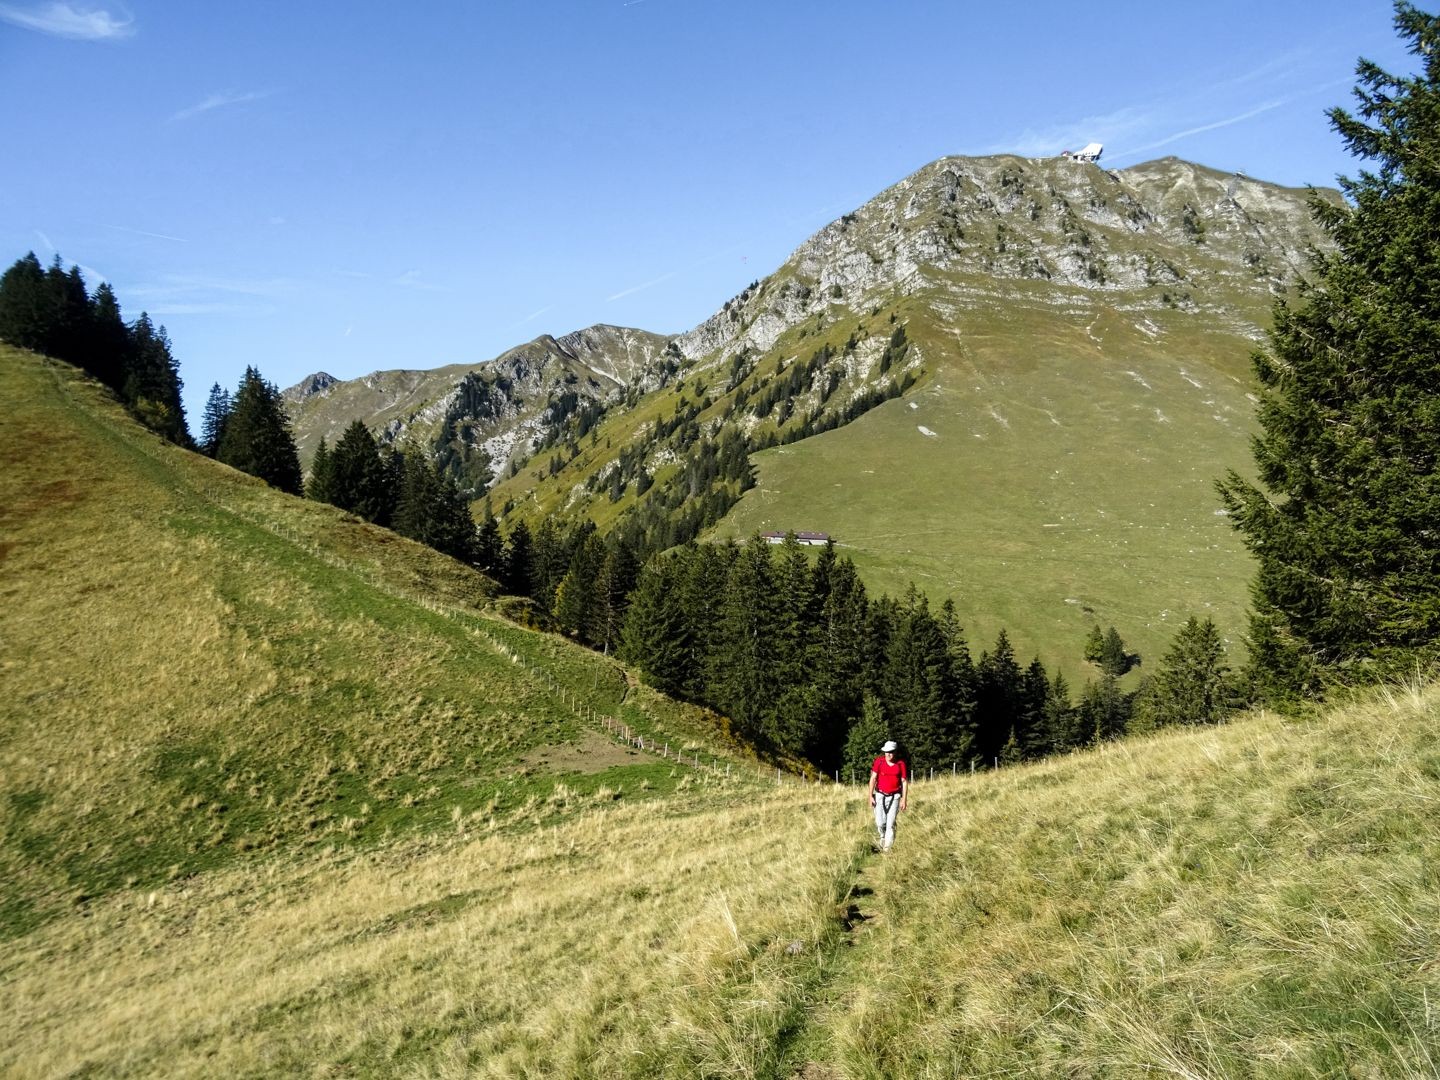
<point x="51" y="311"/>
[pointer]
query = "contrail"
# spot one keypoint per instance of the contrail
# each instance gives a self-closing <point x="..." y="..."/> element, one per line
<point x="1267" y="107"/>
<point x="142" y="232"/>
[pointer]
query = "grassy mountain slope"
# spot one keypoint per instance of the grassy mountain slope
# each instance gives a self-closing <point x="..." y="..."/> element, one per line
<point x="1049" y="474"/>
<point x="1080" y="341"/>
<point x="1077" y="356"/>
<point x="198" y="669"/>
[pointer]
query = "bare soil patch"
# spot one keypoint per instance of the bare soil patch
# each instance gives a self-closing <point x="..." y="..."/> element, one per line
<point x="590" y="753"/>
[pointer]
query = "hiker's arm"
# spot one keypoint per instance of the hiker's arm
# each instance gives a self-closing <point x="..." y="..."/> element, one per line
<point x="904" y="791"/>
<point x="873" y="778"/>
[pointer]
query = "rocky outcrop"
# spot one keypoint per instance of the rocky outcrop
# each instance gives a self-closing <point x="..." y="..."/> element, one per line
<point x="1203" y="237"/>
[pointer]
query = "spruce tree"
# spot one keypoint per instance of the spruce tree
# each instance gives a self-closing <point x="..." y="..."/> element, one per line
<point x="915" y="681"/>
<point x="27" y="307"/>
<point x="1342" y="521"/>
<point x="1190" y="685"/>
<point x="997" y="699"/>
<point x="517" y="577"/>
<point x="489" y="545"/>
<point x="212" y="424"/>
<point x="866" y="735"/>
<point x="152" y="385"/>
<point x="655" y="634"/>
<point x="361" y="484"/>
<point x="1059" y="720"/>
<point x="744" y="678"/>
<point x="321" y="484"/>
<point x="257" y="436"/>
<point x="431" y="510"/>
<point x="109" y="339"/>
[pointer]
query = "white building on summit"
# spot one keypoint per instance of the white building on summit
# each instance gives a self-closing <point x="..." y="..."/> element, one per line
<point x="1090" y="152"/>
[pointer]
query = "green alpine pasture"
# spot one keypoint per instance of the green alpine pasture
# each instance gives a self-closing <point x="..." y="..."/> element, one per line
<point x="1052" y="471"/>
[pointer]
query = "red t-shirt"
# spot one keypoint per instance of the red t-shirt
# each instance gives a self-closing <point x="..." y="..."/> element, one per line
<point x="888" y="777"/>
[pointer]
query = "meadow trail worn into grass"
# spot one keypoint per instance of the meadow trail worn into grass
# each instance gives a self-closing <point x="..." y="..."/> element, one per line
<point x="1260" y="899"/>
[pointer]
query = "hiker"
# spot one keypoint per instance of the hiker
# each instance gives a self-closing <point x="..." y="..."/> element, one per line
<point x="889" y="786"/>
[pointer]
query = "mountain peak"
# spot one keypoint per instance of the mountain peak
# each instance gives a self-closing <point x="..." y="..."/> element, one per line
<point x="310" y="386"/>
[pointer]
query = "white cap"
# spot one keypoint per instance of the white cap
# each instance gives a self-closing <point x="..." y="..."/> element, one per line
<point x="888" y="747"/>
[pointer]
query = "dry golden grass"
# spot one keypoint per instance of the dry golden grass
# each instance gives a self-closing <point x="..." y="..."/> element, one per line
<point x="1261" y="899"/>
<point x="629" y="941"/>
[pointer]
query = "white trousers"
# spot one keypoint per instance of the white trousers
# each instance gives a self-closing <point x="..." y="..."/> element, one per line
<point x="887" y="808"/>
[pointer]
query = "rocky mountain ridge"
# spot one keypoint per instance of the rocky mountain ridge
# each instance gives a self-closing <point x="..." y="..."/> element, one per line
<point x="1200" y="235"/>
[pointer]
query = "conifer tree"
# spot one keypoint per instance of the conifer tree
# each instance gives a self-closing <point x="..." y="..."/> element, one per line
<point x="152" y="381"/>
<point x="997" y="699"/>
<point x="655" y="635"/>
<point x="1059" y="720"/>
<point x="1114" y="660"/>
<point x="321" y="484"/>
<point x="361" y="484"/>
<point x="706" y="569"/>
<point x="1031" y="733"/>
<point x="1342" y="522"/>
<point x="865" y="738"/>
<point x="517" y="578"/>
<point x="27" y="306"/>
<point x="615" y="583"/>
<point x="915" y="682"/>
<point x="840" y="664"/>
<point x="212" y="424"/>
<point x="109" y="346"/>
<point x="431" y="509"/>
<point x="69" y="337"/>
<point x="257" y="436"/>
<point x="1189" y="687"/>
<point x="1104" y="710"/>
<point x="489" y="545"/>
<point x="1094" y="645"/>
<point x="744" y="678"/>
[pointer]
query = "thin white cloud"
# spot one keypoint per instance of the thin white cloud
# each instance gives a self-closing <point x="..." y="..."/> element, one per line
<point x="69" y="21"/>
<point x="171" y="309"/>
<point x="527" y="319"/>
<point x="1199" y="129"/>
<point x="45" y="240"/>
<point x="413" y="279"/>
<point x="144" y="232"/>
<point x="1071" y="134"/>
<point x="219" y="101"/>
<point x="182" y="290"/>
<point x="91" y="273"/>
<point x="641" y="287"/>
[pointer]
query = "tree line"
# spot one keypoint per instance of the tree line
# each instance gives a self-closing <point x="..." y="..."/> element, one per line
<point x="51" y="311"/>
<point x="800" y="661"/>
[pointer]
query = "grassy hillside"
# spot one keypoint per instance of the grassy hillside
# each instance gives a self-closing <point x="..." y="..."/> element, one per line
<point x="277" y="796"/>
<point x="198" y="669"/>
<point x="1054" y="470"/>
<point x="1259" y="899"/>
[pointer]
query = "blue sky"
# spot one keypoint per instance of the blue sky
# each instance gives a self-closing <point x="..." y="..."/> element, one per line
<point x="355" y="186"/>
